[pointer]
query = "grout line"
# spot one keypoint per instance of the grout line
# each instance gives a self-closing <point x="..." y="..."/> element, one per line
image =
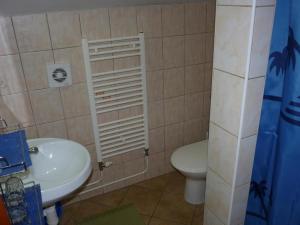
<point x="242" y="113"/>
<point x="159" y="201"/>
<point x="219" y="126"/>
<point x="232" y="74"/>
<point x="59" y="89"/>
<point x="245" y="6"/>
<point x="79" y="20"/>
<point x="256" y="77"/>
<point x="38" y="89"/>
<point x="23" y="72"/>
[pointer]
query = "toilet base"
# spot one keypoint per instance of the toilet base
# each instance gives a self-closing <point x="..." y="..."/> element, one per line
<point x="194" y="191"/>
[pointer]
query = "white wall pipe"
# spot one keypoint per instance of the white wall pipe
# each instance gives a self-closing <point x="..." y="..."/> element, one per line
<point x="116" y="181"/>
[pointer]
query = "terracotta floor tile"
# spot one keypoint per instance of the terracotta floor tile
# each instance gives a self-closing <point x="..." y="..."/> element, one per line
<point x="68" y="213"/>
<point x="198" y="220"/>
<point x="89" y="208"/>
<point x="162" y="196"/>
<point x="146" y="219"/>
<point x="145" y="200"/>
<point x="156" y="221"/>
<point x="199" y="210"/>
<point x="199" y="215"/>
<point x="173" y="207"/>
<point x="175" y="184"/>
<point x="113" y="198"/>
<point x="157" y="183"/>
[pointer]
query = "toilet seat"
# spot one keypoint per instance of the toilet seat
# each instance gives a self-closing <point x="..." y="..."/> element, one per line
<point x="191" y="158"/>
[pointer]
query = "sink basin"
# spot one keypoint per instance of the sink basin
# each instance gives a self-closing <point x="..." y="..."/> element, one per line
<point x="60" y="167"/>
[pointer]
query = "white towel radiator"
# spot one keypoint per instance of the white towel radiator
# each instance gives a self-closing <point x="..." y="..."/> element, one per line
<point x="115" y="90"/>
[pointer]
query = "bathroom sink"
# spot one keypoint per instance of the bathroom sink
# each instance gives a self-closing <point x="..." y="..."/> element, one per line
<point x="60" y="167"/>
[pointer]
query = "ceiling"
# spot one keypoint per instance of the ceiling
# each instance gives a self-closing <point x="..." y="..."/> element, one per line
<point x="21" y="7"/>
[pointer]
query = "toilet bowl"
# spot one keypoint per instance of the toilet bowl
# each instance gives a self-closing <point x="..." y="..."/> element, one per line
<point x="191" y="161"/>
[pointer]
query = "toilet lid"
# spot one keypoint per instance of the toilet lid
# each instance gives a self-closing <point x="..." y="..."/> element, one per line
<point x="191" y="158"/>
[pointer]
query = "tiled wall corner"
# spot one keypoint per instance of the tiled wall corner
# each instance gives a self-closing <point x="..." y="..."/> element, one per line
<point x="240" y="63"/>
<point x="230" y="54"/>
<point x="262" y="30"/>
<point x="179" y="47"/>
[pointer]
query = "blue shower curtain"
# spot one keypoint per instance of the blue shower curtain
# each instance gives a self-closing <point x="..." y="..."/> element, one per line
<point x="274" y="197"/>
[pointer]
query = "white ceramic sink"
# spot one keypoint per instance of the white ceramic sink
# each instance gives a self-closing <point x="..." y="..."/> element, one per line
<point x="60" y="167"/>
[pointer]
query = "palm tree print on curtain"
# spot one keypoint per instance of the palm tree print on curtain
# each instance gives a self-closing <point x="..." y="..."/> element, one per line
<point x="274" y="195"/>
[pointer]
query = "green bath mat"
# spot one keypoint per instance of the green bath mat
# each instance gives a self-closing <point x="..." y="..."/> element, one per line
<point x="124" y="215"/>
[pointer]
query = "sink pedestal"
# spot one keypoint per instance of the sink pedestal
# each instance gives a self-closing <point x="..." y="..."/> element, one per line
<point x="51" y="215"/>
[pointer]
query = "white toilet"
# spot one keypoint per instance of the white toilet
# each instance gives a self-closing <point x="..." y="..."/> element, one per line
<point x="191" y="161"/>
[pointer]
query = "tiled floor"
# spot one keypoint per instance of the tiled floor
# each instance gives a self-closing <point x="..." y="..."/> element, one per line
<point x="159" y="200"/>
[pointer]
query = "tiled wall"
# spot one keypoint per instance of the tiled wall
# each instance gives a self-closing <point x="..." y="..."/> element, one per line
<point x="179" y="46"/>
<point x="241" y="47"/>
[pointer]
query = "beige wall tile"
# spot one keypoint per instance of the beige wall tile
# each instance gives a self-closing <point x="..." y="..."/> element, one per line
<point x="231" y="39"/>
<point x="32" y="32"/>
<point x="134" y="168"/>
<point x="74" y="57"/>
<point x="64" y="29"/>
<point x="154" y="54"/>
<point x="156" y="114"/>
<point x="221" y="152"/>
<point x="157" y="140"/>
<point x="102" y="66"/>
<point x="80" y="129"/>
<point x="75" y="100"/>
<point x="192" y="131"/>
<point x="129" y="112"/>
<point x="173" y="51"/>
<point x="53" y="130"/>
<point x="155" y="85"/>
<point x="217" y="196"/>
<point x="210" y="15"/>
<point x="193" y="105"/>
<point x="194" y="46"/>
<point x="46" y="105"/>
<point x="125" y="63"/>
<point x="194" y="78"/>
<point x="195" y="17"/>
<point x="8" y="43"/>
<point x="173" y="82"/>
<point x="95" y="24"/>
<point x="210" y="218"/>
<point x="11" y="75"/>
<point x="205" y="127"/>
<point x="173" y="136"/>
<point x="149" y="20"/>
<point x="239" y="205"/>
<point x="156" y="165"/>
<point x="208" y="76"/>
<point x="133" y="155"/>
<point x="206" y="104"/>
<point x="16" y="109"/>
<point x="209" y="47"/>
<point x="113" y="172"/>
<point x="123" y="21"/>
<point x="35" y="68"/>
<point x="108" y="117"/>
<point x="262" y="31"/>
<point x="226" y="101"/>
<point x="31" y="132"/>
<point x="174" y="110"/>
<point x="245" y="160"/>
<point x="254" y="98"/>
<point x="173" y="19"/>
